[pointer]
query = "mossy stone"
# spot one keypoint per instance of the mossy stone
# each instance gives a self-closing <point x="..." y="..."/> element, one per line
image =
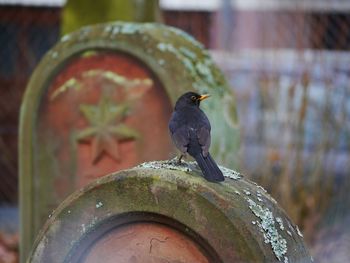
<point x="236" y="220"/>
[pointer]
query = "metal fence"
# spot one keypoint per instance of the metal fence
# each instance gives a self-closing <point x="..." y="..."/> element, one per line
<point x="26" y="33"/>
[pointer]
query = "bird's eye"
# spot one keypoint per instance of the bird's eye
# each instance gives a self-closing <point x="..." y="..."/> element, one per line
<point x="193" y="98"/>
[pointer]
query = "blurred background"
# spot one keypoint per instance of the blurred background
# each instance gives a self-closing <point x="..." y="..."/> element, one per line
<point x="288" y="62"/>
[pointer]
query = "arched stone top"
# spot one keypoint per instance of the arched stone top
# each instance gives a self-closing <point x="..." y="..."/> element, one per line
<point x="233" y="221"/>
<point x="179" y="61"/>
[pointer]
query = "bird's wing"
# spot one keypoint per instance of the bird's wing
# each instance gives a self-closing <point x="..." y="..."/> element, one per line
<point x="179" y="132"/>
<point x="181" y="138"/>
<point x="204" y="139"/>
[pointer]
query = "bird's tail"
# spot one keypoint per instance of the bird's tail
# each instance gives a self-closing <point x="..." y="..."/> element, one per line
<point x="209" y="168"/>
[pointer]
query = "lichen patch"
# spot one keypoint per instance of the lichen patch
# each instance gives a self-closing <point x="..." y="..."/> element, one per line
<point x="268" y="227"/>
<point x="298" y="231"/>
<point x="169" y="165"/>
<point x="99" y="204"/>
<point x="173" y="164"/>
<point x="230" y="173"/>
<point x="280" y="222"/>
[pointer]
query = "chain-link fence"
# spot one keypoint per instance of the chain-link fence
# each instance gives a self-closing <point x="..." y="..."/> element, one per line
<point x="26" y="33"/>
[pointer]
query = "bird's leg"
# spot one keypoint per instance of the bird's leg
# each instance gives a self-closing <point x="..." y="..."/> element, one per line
<point x="179" y="161"/>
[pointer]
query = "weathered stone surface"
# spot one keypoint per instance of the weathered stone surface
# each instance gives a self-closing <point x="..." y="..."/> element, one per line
<point x="233" y="221"/>
<point x="144" y="242"/>
<point x="100" y="100"/>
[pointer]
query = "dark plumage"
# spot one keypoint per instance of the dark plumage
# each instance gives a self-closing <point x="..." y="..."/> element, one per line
<point x="190" y="131"/>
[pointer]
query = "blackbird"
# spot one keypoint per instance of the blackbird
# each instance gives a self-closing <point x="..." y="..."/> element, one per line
<point x="190" y="131"/>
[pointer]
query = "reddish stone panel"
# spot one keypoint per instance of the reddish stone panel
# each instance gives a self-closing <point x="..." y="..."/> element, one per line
<point x="103" y="112"/>
<point x="146" y="243"/>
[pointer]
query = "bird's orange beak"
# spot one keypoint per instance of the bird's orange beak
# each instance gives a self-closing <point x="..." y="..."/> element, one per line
<point x="203" y="97"/>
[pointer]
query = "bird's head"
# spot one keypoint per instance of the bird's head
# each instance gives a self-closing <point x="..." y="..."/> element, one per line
<point x="190" y="99"/>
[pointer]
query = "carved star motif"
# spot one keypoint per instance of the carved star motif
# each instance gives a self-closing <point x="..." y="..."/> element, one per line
<point x="106" y="128"/>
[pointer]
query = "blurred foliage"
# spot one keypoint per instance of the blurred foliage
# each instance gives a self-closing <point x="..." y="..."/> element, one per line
<point x="295" y="128"/>
<point x="298" y="182"/>
<point x="78" y="13"/>
<point x="289" y="67"/>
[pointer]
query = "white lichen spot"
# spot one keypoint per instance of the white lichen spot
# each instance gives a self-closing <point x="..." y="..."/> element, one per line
<point x="161" y="62"/>
<point x="280" y="222"/>
<point x="208" y="61"/>
<point x="188" y="53"/>
<point x="116" y="30"/>
<point x="83" y="33"/>
<point x="108" y="29"/>
<point x="93" y="221"/>
<point x="290" y="227"/>
<point x="298" y="231"/>
<point x="99" y="204"/>
<point x="259" y="199"/>
<point x="187" y="37"/>
<point x="267" y="226"/>
<point x="230" y="173"/>
<point x="262" y="188"/>
<point x="258" y="194"/>
<point x="289" y="233"/>
<point x="68" y="211"/>
<point x="167" y="47"/>
<point x="254" y="222"/>
<point x="54" y="54"/>
<point x="83" y="229"/>
<point x="169" y="164"/>
<point x="129" y="28"/>
<point x="286" y="260"/>
<point x="273" y="199"/>
<point x="205" y="72"/>
<point x="188" y="64"/>
<point x="237" y="192"/>
<point x="186" y="167"/>
<point x="85" y="30"/>
<point x="246" y="192"/>
<point x="65" y="38"/>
